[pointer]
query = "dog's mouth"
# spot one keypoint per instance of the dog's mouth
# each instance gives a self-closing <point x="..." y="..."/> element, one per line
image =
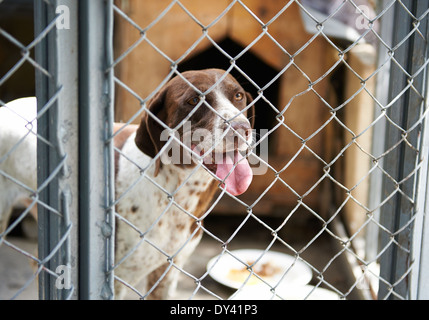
<point x="231" y="168"/>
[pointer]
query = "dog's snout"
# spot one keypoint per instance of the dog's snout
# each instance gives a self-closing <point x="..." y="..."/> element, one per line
<point x="241" y="127"/>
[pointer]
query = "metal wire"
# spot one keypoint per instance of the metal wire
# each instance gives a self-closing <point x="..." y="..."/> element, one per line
<point x="329" y="170"/>
<point x="394" y="162"/>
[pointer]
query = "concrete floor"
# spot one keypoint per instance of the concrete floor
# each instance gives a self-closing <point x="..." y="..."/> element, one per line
<point x="15" y="268"/>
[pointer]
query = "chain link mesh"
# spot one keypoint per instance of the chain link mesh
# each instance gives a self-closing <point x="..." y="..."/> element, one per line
<point x="324" y="117"/>
<point x="22" y="198"/>
<point x="339" y="96"/>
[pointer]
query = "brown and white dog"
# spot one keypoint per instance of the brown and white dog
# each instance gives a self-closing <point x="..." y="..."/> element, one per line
<point x="166" y="209"/>
<point x="168" y="169"/>
<point x="17" y="155"/>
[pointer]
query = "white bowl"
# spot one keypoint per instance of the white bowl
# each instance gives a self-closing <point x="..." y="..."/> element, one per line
<point x="262" y="292"/>
<point x="270" y="268"/>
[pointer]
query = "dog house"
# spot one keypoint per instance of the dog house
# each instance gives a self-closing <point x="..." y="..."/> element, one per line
<point x="302" y="75"/>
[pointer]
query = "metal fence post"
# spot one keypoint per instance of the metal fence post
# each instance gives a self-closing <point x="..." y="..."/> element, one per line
<point x="56" y="90"/>
<point x="402" y="162"/>
<point x="420" y="277"/>
<point x="96" y="153"/>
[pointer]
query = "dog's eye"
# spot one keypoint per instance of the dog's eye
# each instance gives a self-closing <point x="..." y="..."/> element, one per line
<point x="238" y="96"/>
<point x="193" y="101"/>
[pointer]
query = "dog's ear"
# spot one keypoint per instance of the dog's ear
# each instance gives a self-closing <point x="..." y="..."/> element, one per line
<point x="251" y="110"/>
<point x="148" y="135"/>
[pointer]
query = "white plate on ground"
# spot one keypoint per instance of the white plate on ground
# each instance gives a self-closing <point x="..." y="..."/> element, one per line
<point x="271" y="267"/>
<point x="262" y="292"/>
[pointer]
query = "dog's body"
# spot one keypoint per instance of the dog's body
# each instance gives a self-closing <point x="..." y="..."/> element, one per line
<point x="160" y="204"/>
<point x="17" y="155"/>
<point x="151" y="210"/>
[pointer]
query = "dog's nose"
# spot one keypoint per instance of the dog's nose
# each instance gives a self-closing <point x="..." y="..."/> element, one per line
<point x="241" y="127"/>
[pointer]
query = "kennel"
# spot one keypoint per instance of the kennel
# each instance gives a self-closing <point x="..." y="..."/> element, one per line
<point x="288" y="54"/>
<point x="345" y="107"/>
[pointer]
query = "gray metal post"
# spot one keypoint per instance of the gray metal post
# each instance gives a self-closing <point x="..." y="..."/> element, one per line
<point x="398" y="214"/>
<point x="420" y="278"/>
<point x="96" y="155"/>
<point x="419" y="284"/>
<point x="56" y="90"/>
<point x="378" y="144"/>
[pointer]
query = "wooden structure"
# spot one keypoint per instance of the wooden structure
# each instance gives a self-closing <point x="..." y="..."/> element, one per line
<point x="16" y="18"/>
<point x="301" y="61"/>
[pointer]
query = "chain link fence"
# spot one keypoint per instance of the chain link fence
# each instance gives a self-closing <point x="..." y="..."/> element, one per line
<point x="39" y="144"/>
<point x="336" y="206"/>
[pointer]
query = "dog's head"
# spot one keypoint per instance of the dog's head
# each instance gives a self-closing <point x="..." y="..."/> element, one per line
<point x="212" y="115"/>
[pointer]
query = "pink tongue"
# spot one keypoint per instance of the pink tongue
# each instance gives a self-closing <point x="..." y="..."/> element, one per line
<point x="238" y="180"/>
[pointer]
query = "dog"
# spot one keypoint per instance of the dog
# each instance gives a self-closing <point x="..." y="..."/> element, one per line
<point x="168" y="168"/>
<point x="18" y="130"/>
<point x="167" y="209"/>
